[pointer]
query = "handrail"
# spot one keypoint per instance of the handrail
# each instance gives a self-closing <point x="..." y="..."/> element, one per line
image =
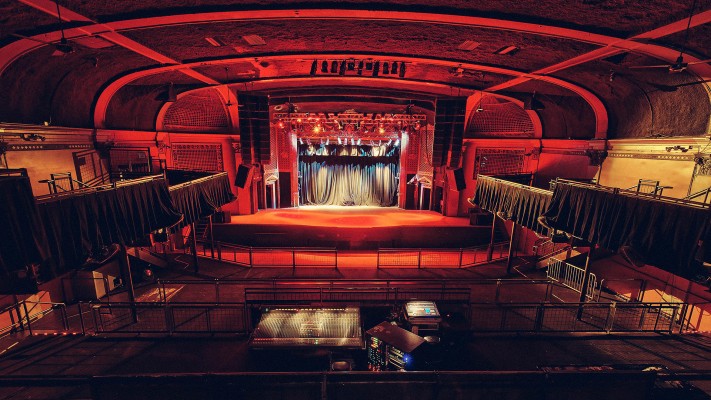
<point x="94" y="189"/>
<point x="704" y="192"/>
<point x="516" y="184"/>
<point x="13" y="172"/>
<point x="194" y="181"/>
<point x="625" y="192"/>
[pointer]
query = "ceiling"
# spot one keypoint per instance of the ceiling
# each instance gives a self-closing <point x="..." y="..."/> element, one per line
<point x="578" y="57"/>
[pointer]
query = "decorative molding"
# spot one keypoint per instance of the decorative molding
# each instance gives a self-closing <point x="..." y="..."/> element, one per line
<point x="47" y="146"/>
<point x="648" y="156"/>
<point x="567" y="152"/>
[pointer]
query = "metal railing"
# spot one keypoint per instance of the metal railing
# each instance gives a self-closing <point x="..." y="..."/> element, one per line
<point x="575" y="317"/>
<point x="604" y="287"/>
<point x="698" y="194"/>
<point x="29" y="315"/>
<point x="295" y="257"/>
<point x="572" y="277"/>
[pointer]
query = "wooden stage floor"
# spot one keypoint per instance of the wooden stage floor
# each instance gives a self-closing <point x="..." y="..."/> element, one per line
<point x="351" y="228"/>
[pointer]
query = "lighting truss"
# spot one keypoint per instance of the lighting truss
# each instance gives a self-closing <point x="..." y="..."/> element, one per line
<point x="349" y="124"/>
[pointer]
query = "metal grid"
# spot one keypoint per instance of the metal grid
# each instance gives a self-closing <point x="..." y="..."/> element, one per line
<point x="197" y="157"/>
<point x="201" y="111"/>
<point x="489" y="161"/>
<point x="500" y="119"/>
<point x="426" y="143"/>
<point x="130" y="160"/>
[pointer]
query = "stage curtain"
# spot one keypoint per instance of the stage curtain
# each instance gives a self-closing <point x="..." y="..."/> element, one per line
<point x="79" y="225"/>
<point x="344" y="180"/>
<point x="202" y="197"/>
<point x="22" y="236"/>
<point x="664" y="234"/>
<point x="520" y="203"/>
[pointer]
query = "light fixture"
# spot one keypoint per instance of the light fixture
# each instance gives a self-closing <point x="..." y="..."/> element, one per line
<point x="402" y="70"/>
<point x="33" y="137"/>
<point x="314" y="67"/>
<point x="339" y="140"/>
<point x="324" y="67"/>
<point x="389" y="142"/>
<point x="386" y="68"/>
<point x="358" y="143"/>
<point x="397" y="142"/>
<point x="328" y="140"/>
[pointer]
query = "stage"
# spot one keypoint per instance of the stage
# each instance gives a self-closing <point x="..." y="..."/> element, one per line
<point x="351" y="228"/>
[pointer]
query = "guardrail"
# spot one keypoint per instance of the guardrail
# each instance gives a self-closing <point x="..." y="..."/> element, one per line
<point x="28" y="314"/>
<point x="575" y="317"/>
<point x="572" y="277"/>
<point x="294" y="257"/>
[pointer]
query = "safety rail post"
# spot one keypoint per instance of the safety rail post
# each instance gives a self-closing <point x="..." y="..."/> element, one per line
<point x="683" y="316"/>
<point x="490" y="250"/>
<point x="219" y="251"/>
<point x="512" y="245"/>
<point x="461" y="257"/>
<point x="610" y="321"/>
<point x="81" y="319"/>
<point x="377" y="262"/>
<point x="251" y="260"/>
<point x="335" y="252"/>
<point x="12" y="321"/>
<point x="209" y="319"/>
<point x="212" y="239"/>
<point x="642" y="317"/>
<point x="27" y="315"/>
<point x="65" y="319"/>
<point x="548" y="291"/>
<point x="659" y="313"/>
<point x="217" y="291"/>
<point x="498" y="289"/>
<point x="642" y="290"/>
<point x="293" y="259"/>
<point x="193" y="247"/>
<point x="673" y="318"/>
<point x="538" y="325"/>
<point x="419" y="258"/>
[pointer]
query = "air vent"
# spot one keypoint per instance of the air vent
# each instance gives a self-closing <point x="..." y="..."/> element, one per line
<point x="254" y="40"/>
<point x="216" y="41"/>
<point x="510" y="50"/>
<point x="94" y="42"/>
<point x="468" y="45"/>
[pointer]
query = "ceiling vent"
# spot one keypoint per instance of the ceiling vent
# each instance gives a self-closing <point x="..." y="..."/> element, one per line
<point x="468" y="45"/>
<point x="216" y="41"/>
<point x="510" y="50"/>
<point x="254" y="40"/>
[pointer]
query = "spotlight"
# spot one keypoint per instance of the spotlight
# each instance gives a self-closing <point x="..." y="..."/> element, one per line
<point x="360" y="67"/>
<point x="389" y="142"/>
<point x="281" y="124"/>
<point x="358" y="143"/>
<point x="393" y="70"/>
<point x="397" y="142"/>
<point x="386" y="68"/>
<point x="376" y="68"/>
<point x="317" y="129"/>
<point x="314" y="67"/>
<point x="301" y="141"/>
<point x="380" y="143"/>
<point x="352" y="142"/>
<point x="324" y="67"/>
<point x="381" y="130"/>
<point x="402" y="70"/>
<point x="369" y="66"/>
<point x="339" y="140"/>
<point x="328" y="140"/>
<point x="351" y="65"/>
<point x="334" y="67"/>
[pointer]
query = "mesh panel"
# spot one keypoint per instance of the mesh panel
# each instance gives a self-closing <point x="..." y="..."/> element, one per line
<point x="500" y="118"/>
<point x="413" y="152"/>
<point x="197" y="157"/>
<point x="498" y="161"/>
<point x="425" y="167"/>
<point x="201" y="111"/>
<point x="130" y="160"/>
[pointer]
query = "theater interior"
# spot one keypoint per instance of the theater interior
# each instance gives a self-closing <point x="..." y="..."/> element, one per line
<point x="208" y="199"/>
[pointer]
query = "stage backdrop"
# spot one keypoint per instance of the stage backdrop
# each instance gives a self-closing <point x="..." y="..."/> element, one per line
<point x="349" y="175"/>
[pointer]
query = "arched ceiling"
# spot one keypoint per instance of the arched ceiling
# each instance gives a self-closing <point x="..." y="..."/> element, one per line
<point x="577" y="56"/>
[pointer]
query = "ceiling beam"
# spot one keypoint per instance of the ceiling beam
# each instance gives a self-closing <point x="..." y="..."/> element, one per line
<point x="595" y="103"/>
<point x="108" y="33"/>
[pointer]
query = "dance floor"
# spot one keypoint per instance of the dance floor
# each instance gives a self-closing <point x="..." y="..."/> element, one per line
<point x="354" y="228"/>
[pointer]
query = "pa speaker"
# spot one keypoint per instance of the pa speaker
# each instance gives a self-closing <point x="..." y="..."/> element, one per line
<point x="244" y="176"/>
<point x="456" y="177"/>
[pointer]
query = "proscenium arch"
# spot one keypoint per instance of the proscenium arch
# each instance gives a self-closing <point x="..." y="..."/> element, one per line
<point x="601" y="119"/>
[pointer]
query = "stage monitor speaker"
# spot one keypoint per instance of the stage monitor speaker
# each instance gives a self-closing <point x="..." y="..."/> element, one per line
<point x="244" y="175"/>
<point x="456" y="178"/>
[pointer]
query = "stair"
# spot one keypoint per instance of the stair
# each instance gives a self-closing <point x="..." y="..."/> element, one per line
<point x="147" y="256"/>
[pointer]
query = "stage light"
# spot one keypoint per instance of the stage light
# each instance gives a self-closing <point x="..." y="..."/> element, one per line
<point x="381" y="130"/>
<point x="380" y="143"/>
<point x="351" y="65"/>
<point x="328" y="140"/>
<point x="334" y="67"/>
<point x="386" y="68"/>
<point x="376" y="68"/>
<point x="397" y="142"/>
<point x="358" y="142"/>
<point x="317" y="128"/>
<point x="281" y="124"/>
<point x="301" y="141"/>
<point x="402" y="70"/>
<point x="352" y="142"/>
<point x="389" y="142"/>
<point x="298" y="120"/>
<point x="339" y="140"/>
<point x="342" y="69"/>
<point x="324" y="67"/>
<point x="394" y="68"/>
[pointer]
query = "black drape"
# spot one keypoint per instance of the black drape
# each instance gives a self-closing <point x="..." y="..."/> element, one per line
<point x="22" y="236"/>
<point x="81" y="224"/>
<point x="347" y="180"/>
<point x="665" y="234"/>
<point x="520" y="203"/>
<point x="202" y="197"/>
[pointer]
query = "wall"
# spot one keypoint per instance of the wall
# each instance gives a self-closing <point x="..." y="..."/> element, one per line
<point x="631" y="160"/>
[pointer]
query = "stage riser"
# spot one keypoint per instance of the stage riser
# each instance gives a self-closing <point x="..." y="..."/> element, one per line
<point x="352" y="238"/>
